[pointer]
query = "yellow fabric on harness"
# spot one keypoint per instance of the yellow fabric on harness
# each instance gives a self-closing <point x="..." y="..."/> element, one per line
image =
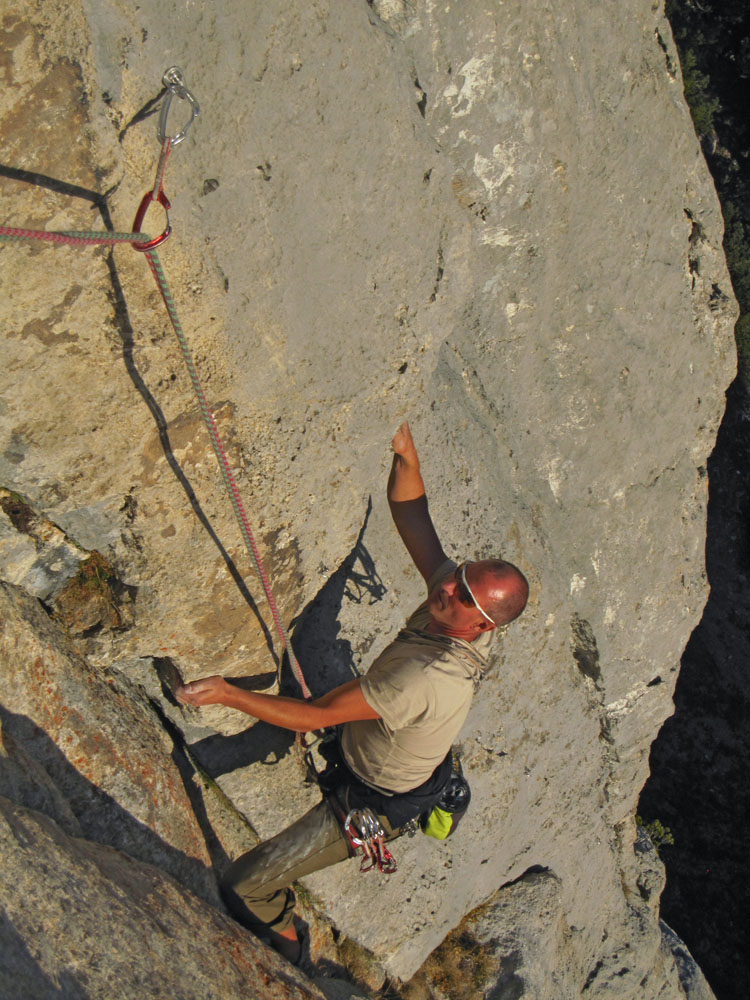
<point x="439" y="824"/>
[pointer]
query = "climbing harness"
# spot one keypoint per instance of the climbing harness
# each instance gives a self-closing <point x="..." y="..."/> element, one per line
<point x="361" y="826"/>
<point x="175" y="88"/>
<point x="436" y="807"/>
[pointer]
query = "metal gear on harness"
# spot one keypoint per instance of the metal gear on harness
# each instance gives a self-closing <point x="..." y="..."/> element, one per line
<point x="365" y="833"/>
<point x="361" y="826"/>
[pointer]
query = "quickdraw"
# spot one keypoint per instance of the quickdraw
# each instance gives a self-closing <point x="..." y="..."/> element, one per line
<point x="175" y="87"/>
<point x="365" y="833"/>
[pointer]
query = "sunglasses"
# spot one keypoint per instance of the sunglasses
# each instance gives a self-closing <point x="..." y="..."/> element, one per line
<point x="463" y="591"/>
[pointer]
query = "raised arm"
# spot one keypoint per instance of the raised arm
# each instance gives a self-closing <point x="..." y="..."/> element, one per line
<point x="408" y="502"/>
<point x="344" y="704"/>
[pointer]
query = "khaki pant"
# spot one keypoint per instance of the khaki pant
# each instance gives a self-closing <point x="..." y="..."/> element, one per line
<point x="256" y="887"/>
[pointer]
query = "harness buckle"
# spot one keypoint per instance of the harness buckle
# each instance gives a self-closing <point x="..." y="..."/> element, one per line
<point x="174" y="81"/>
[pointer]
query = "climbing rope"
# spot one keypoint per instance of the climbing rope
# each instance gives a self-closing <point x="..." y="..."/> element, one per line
<point x="226" y="472"/>
<point x="175" y="85"/>
<point x="71" y="237"/>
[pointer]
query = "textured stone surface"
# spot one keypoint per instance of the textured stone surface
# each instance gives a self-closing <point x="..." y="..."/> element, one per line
<point x="491" y="218"/>
<point x="519" y="944"/>
<point x="35" y="553"/>
<point x="100" y="744"/>
<point x="81" y="920"/>
<point x="692" y="980"/>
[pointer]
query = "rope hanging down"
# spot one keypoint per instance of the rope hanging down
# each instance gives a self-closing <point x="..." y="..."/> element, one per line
<point x="139" y="241"/>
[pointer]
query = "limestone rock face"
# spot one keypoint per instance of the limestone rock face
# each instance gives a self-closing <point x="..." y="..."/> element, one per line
<point x="84" y="920"/>
<point x="102" y="748"/>
<point x="520" y="944"/>
<point x="492" y="219"/>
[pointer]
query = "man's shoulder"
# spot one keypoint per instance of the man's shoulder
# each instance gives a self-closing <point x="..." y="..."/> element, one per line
<point x="444" y="569"/>
<point x="419" y="619"/>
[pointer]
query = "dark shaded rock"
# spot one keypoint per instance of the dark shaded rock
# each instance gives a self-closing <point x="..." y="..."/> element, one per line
<point x="701" y="758"/>
<point x="101" y="745"/>
<point x="93" y="598"/>
<point x="83" y="921"/>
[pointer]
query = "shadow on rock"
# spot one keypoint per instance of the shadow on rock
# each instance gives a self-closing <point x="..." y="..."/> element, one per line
<point x="260" y="743"/>
<point x="20" y="974"/>
<point x="326" y="660"/>
<point x="98" y="815"/>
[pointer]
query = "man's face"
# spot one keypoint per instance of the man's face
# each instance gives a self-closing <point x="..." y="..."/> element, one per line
<point x="450" y="604"/>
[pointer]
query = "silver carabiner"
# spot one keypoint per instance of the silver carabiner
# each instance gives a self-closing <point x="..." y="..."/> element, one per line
<point x="374" y="827"/>
<point x="174" y="81"/>
<point x="351" y="828"/>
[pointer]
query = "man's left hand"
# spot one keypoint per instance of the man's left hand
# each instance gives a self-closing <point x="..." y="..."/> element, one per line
<point x="206" y="691"/>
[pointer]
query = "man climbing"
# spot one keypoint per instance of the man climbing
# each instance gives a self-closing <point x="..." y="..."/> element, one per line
<point x="397" y="722"/>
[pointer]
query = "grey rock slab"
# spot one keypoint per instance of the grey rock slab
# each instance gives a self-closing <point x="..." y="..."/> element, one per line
<point x="692" y="979"/>
<point x="271" y="790"/>
<point x="101" y="744"/>
<point x="96" y="526"/>
<point x="83" y="920"/>
<point x="35" y="553"/>
<point x="494" y="219"/>
<point x="520" y="943"/>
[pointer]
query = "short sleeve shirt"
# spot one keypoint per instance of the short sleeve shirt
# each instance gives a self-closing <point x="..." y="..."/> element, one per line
<point x="421" y="685"/>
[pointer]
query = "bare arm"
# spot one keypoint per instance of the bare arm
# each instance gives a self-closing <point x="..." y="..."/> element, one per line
<point x="408" y="502"/>
<point x="344" y="704"/>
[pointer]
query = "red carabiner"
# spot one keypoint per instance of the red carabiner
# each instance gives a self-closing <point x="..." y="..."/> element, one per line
<point x="140" y="214"/>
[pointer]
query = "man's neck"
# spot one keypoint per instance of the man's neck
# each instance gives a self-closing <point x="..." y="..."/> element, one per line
<point x="468" y="635"/>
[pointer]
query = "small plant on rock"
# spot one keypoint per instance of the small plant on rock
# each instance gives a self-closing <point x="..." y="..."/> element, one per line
<point x="659" y="835"/>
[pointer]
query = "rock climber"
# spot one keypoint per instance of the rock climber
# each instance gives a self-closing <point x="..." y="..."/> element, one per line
<point x="397" y="723"/>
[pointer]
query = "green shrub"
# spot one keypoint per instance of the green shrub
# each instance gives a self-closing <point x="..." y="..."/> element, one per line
<point x="703" y="106"/>
<point x="659" y="835"/>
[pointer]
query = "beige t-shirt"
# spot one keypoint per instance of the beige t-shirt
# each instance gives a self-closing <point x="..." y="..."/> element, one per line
<point x="421" y="685"/>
